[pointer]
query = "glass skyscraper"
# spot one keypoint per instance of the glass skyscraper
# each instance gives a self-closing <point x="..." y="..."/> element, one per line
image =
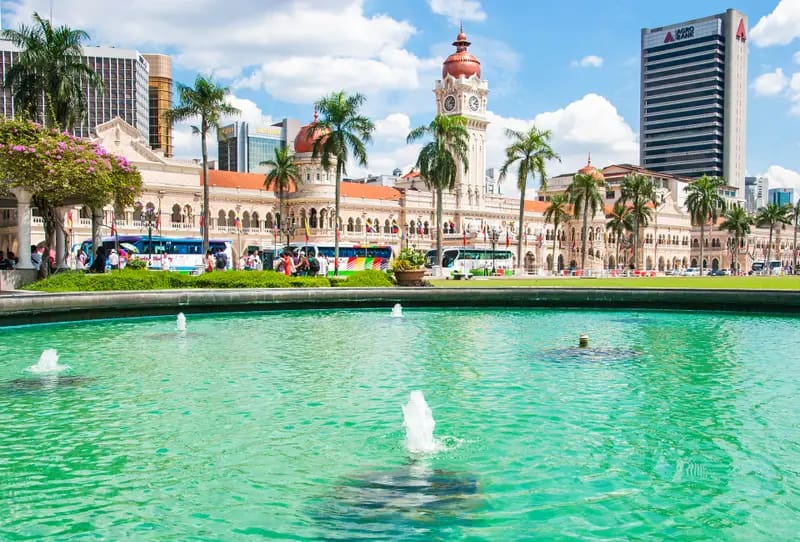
<point x="694" y="98"/>
<point x="242" y="147"/>
<point x="125" y="94"/>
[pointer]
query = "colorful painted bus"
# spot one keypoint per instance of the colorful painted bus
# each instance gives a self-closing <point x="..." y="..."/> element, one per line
<point x="352" y="257"/>
<point x="182" y="254"/>
<point x="473" y="261"/>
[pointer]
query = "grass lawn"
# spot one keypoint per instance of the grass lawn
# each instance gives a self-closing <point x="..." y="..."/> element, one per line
<point x="748" y="282"/>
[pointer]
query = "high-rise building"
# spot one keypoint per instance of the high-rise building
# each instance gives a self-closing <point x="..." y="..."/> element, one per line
<point x="242" y="147"/>
<point x="124" y="73"/>
<point x="160" y="98"/>
<point x="781" y="196"/>
<point x="694" y="98"/>
<point x="762" y="192"/>
<point x="750" y="190"/>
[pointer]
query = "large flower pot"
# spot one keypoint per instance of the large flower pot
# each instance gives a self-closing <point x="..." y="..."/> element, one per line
<point x="409" y="278"/>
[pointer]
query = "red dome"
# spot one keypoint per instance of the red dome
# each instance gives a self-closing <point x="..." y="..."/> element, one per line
<point x="308" y="134"/>
<point x="589" y="169"/>
<point x="462" y="62"/>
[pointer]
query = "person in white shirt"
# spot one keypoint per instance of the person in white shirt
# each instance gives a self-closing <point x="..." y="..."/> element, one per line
<point x="113" y="259"/>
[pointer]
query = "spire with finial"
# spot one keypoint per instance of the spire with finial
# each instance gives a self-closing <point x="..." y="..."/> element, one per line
<point x="316" y="114"/>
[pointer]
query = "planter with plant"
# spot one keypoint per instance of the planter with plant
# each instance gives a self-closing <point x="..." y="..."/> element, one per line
<point x="408" y="267"/>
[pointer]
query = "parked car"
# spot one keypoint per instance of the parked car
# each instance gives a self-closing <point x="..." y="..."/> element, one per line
<point x="691" y="272"/>
<point x="720" y="272"/>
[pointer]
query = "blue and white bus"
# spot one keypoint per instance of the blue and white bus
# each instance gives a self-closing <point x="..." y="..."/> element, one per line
<point x="473" y="261"/>
<point x="182" y="254"/>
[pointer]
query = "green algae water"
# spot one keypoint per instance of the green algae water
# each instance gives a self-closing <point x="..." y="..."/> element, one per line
<point x="289" y="425"/>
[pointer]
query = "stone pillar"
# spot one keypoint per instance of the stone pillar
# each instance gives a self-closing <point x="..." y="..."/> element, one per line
<point x="23" y="227"/>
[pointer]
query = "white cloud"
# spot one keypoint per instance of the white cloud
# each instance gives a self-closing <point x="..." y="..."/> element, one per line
<point x="780" y="177"/>
<point x="589" y="61"/>
<point x="780" y="27"/>
<point x="394" y="127"/>
<point x="770" y="84"/>
<point x="458" y="10"/>
<point x="589" y="125"/>
<point x="295" y="49"/>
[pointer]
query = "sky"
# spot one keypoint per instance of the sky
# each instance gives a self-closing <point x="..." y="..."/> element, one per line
<point x="570" y="66"/>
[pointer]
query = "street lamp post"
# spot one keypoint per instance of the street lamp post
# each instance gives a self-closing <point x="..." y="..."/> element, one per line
<point x="494" y="236"/>
<point x="149" y="220"/>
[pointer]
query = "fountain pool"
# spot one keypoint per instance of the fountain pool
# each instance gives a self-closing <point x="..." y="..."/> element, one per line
<point x="290" y="425"/>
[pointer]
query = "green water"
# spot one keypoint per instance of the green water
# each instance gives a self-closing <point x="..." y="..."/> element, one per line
<point x="678" y="426"/>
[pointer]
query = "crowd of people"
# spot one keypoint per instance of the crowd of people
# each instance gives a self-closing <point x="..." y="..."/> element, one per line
<point x="298" y="264"/>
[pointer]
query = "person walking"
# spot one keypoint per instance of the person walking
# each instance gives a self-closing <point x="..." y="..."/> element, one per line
<point x="288" y="265"/>
<point x="209" y="263"/>
<point x="113" y="259"/>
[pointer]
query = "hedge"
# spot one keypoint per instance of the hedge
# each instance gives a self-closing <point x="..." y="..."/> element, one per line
<point x="129" y="279"/>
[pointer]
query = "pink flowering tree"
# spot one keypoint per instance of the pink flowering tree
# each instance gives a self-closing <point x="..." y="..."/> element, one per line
<point x="60" y="169"/>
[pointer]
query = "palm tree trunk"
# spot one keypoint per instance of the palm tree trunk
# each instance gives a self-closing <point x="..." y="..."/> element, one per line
<point x="794" y="248"/>
<point x="520" y="232"/>
<point x="769" y="250"/>
<point x="583" y="237"/>
<point x="555" y="240"/>
<point x="281" y="208"/>
<point x="635" y="242"/>
<point x="206" y="213"/>
<point x="702" y="244"/>
<point x="439" y="226"/>
<point x="337" y="199"/>
<point x="616" y="247"/>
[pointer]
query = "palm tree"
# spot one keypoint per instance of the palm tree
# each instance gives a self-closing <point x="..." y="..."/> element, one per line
<point x="620" y="220"/>
<point x="208" y="101"/>
<point x="47" y="78"/>
<point x="737" y="223"/>
<point x="771" y="215"/>
<point x="584" y="194"/>
<point x="557" y="212"/>
<point x="342" y="127"/>
<point x="639" y="191"/>
<point x="440" y="160"/>
<point x="704" y="204"/>
<point x="282" y="175"/>
<point x="796" y="224"/>
<point x="531" y="149"/>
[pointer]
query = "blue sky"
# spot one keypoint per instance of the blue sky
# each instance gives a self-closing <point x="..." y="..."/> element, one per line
<point x="278" y="56"/>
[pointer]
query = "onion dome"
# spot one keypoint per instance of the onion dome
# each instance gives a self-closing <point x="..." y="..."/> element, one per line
<point x="308" y="134"/>
<point x="589" y="169"/>
<point x="462" y="62"/>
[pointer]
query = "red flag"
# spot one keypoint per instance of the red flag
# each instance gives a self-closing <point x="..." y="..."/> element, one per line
<point x="465" y="238"/>
<point x="113" y="225"/>
<point x="484" y="233"/>
<point x="508" y="241"/>
<point x="201" y="224"/>
<point x="539" y="240"/>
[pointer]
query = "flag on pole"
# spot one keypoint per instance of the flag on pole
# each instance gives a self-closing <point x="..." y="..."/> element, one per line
<point x="508" y="241"/>
<point x="113" y="225"/>
<point x="395" y="227"/>
<point x="202" y="217"/>
<point x="158" y="217"/>
<point x="464" y="236"/>
<point x="237" y="223"/>
<point x="484" y="233"/>
<point x="540" y="240"/>
<point x="69" y="220"/>
<point x="308" y="232"/>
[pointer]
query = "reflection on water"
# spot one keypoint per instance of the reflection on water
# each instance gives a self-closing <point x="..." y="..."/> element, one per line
<point x="590" y="354"/>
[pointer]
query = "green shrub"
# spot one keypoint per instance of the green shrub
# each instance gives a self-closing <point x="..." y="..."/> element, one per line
<point x="157" y="280"/>
<point x="136" y="264"/>
<point x="366" y="279"/>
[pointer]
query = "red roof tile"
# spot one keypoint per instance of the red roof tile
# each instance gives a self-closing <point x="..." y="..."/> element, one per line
<point x="234" y="179"/>
<point x="367" y="191"/>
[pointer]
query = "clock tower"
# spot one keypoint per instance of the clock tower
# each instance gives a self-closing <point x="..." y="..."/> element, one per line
<point x="461" y="91"/>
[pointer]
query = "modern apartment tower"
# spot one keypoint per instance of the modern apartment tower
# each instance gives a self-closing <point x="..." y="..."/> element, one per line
<point x="694" y="98"/>
<point x="242" y="147"/>
<point x="160" y="97"/>
<point x="125" y="75"/>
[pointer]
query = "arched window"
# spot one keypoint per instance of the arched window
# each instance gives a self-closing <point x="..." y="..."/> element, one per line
<point x="231" y="218"/>
<point x="268" y="221"/>
<point x="358" y="224"/>
<point x="221" y="221"/>
<point x="176" y="214"/>
<point x="350" y="225"/>
<point x="255" y="221"/>
<point x="387" y="226"/>
<point x="426" y="228"/>
<point x="312" y="218"/>
<point x="246" y="220"/>
<point x="188" y="214"/>
<point x="323" y="217"/>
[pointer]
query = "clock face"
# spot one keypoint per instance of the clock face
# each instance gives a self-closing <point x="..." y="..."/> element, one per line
<point x="449" y="103"/>
<point x="474" y="103"/>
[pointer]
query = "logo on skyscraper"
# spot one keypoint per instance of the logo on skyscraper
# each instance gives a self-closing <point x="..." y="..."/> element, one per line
<point x="668" y="38"/>
<point x="741" y="33"/>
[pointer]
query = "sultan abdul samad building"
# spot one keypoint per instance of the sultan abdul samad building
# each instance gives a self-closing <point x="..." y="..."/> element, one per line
<point x="374" y="213"/>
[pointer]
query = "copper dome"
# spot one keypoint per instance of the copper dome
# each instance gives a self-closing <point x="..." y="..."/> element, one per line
<point x="308" y="134"/>
<point x="589" y="169"/>
<point x="462" y="62"/>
